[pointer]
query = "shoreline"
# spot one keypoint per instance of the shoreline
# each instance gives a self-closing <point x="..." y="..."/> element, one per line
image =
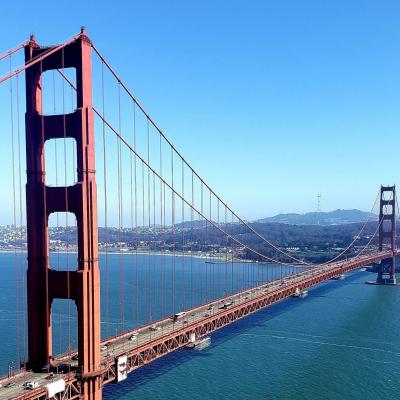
<point x="221" y="260"/>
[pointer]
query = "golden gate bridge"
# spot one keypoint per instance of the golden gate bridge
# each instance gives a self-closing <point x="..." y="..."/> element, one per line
<point x="158" y="201"/>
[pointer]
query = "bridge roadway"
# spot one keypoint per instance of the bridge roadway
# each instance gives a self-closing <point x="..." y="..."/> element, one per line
<point x="149" y="344"/>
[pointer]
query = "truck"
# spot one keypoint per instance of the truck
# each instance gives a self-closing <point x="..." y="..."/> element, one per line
<point x="55" y="388"/>
<point x="178" y="315"/>
<point x="32" y="385"/>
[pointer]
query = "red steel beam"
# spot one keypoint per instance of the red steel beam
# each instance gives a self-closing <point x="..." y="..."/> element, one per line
<point x="44" y="283"/>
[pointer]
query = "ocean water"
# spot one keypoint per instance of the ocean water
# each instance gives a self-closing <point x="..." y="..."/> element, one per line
<point x="341" y="342"/>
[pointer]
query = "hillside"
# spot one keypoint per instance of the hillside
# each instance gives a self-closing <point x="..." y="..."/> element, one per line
<point x="337" y="217"/>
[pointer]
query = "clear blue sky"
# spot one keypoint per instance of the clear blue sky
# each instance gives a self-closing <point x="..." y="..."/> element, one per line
<point x="271" y="101"/>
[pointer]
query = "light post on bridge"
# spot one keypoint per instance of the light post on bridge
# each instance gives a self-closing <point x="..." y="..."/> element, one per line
<point x="10" y="369"/>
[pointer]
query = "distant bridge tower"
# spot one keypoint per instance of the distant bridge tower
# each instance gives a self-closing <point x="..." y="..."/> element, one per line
<point x="46" y="284"/>
<point x="387" y="234"/>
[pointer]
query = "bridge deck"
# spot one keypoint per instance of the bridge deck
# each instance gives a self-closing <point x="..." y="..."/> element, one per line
<point x="172" y="335"/>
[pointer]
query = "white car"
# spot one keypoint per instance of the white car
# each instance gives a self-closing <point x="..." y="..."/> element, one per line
<point x="133" y="336"/>
<point x="154" y="328"/>
<point x="32" y="385"/>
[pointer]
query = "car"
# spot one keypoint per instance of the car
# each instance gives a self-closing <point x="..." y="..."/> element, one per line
<point x="178" y="315"/>
<point x="154" y="328"/>
<point x="104" y="347"/>
<point x="50" y="376"/>
<point x="9" y="384"/>
<point x="226" y="304"/>
<point x="185" y="321"/>
<point x="133" y="336"/>
<point x="75" y="357"/>
<point x="32" y="385"/>
<point x="210" y="307"/>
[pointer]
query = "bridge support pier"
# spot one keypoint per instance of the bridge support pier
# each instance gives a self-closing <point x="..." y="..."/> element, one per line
<point x="387" y="233"/>
<point x="44" y="283"/>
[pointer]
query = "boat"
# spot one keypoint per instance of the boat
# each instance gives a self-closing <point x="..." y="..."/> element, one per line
<point x="338" y="277"/>
<point x="300" y="293"/>
<point x="199" y="344"/>
<point x="304" y="294"/>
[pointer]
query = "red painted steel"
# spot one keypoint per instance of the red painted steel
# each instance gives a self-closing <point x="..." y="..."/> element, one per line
<point x="44" y="283"/>
<point x="387" y="216"/>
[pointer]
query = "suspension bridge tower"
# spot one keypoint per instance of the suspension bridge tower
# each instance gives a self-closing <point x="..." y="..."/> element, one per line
<point x="387" y="235"/>
<point x="44" y="283"/>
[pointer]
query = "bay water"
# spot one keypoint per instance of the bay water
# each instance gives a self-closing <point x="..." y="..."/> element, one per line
<point x="341" y="342"/>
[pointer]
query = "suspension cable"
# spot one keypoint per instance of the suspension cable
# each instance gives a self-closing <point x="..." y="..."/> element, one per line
<point x="39" y="58"/>
<point x="134" y="99"/>
<point x="357" y="237"/>
<point x="14" y="50"/>
<point x="174" y="191"/>
<point x="44" y="55"/>
<point x="246" y="224"/>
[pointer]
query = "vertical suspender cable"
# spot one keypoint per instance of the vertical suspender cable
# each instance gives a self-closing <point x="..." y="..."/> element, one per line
<point x="159" y="235"/>
<point x="136" y="220"/>
<point x="191" y="243"/>
<point x="162" y="233"/>
<point x="131" y="156"/>
<point x="211" y="264"/>
<point x="163" y="225"/>
<point x="120" y="216"/>
<point x="149" y="287"/>
<point x="183" y="240"/>
<point x="145" y="297"/>
<point x="57" y="214"/>
<point x="232" y="255"/>
<point x="154" y="259"/>
<point x="202" y="299"/>
<point x="173" y="236"/>
<point x="14" y="228"/>
<point x="107" y="316"/>
<point x="226" y="255"/>
<point x="66" y="201"/>
<point x="21" y="225"/>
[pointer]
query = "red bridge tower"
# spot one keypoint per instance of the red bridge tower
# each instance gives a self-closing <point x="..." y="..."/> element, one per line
<point x="44" y="283"/>
<point x="387" y="233"/>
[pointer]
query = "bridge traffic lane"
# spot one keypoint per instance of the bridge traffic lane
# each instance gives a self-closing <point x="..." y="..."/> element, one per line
<point x="121" y="345"/>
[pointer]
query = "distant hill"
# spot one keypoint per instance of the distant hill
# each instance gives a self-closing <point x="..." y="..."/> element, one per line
<point x="337" y="217"/>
